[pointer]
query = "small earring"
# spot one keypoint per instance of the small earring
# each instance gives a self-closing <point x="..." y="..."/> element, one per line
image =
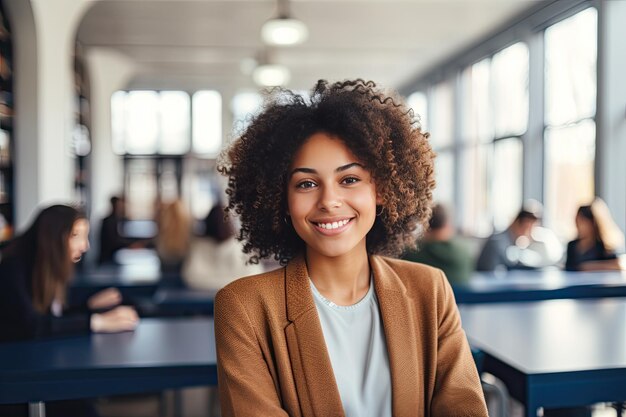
<point x="382" y="208"/>
<point x="285" y="219"/>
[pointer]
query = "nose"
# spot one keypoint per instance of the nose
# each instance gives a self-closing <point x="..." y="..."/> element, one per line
<point x="330" y="198"/>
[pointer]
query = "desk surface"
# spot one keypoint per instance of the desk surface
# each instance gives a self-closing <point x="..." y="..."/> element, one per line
<point x="159" y="354"/>
<point x="556" y="352"/>
<point x="551" y="336"/>
<point x="540" y="285"/>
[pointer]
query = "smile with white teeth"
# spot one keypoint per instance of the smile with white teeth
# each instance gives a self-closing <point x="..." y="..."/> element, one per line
<point x="333" y="225"/>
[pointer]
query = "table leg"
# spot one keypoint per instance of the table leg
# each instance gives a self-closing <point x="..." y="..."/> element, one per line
<point x="178" y="403"/>
<point x="37" y="409"/>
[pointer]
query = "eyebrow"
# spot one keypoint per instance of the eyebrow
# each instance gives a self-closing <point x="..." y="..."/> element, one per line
<point x="340" y="169"/>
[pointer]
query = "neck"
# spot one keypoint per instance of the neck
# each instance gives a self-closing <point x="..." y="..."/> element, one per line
<point x="343" y="280"/>
<point x="586" y="242"/>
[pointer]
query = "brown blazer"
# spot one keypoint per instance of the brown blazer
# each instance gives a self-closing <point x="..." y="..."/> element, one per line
<point x="272" y="358"/>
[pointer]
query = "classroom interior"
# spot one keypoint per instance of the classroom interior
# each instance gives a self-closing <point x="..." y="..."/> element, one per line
<point x="523" y="99"/>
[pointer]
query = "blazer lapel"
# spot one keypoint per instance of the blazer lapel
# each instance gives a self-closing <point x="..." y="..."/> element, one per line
<point x="313" y="373"/>
<point x="398" y="316"/>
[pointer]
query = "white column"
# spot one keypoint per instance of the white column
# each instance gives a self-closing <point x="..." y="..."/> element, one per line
<point x="26" y="130"/>
<point x="611" y="114"/>
<point x="109" y="71"/>
<point x="56" y="23"/>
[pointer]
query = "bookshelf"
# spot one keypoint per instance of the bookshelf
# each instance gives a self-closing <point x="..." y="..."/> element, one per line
<point x="81" y="135"/>
<point x="7" y="144"/>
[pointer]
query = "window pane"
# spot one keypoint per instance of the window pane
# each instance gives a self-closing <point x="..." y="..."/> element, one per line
<point x="571" y="54"/>
<point x="444" y="175"/>
<point x="506" y="191"/>
<point x="201" y="186"/>
<point x="175" y="115"/>
<point x="442" y="115"/>
<point x="510" y="90"/>
<point x="417" y="101"/>
<point x="244" y="106"/>
<point x="476" y="219"/>
<point x="141" y="189"/>
<point x="477" y="122"/>
<point x="142" y="122"/>
<point x="207" y="123"/>
<point x="118" y="121"/>
<point x="568" y="175"/>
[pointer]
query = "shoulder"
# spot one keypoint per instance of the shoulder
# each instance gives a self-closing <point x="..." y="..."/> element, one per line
<point x="408" y="275"/>
<point x="268" y="285"/>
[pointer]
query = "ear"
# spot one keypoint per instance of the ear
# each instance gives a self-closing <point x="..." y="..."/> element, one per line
<point x="379" y="199"/>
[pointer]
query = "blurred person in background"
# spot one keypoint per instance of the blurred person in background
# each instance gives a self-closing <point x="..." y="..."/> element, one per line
<point x="441" y="249"/>
<point x="523" y="245"/>
<point x="598" y="240"/>
<point x="216" y="257"/>
<point x="111" y="239"/>
<point x="173" y="239"/>
<point x="35" y="271"/>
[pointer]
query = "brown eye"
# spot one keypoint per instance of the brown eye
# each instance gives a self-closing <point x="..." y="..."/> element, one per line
<point x="350" y="180"/>
<point x="305" y="184"/>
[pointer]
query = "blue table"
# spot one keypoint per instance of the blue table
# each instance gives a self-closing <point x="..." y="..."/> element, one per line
<point x="540" y="285"/>
<point x="556" y="353"/>
<point x="160" y="354"/>
<point x="179" y="302"/>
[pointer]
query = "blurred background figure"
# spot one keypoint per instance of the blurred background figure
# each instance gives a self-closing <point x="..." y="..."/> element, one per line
<point x="216" y="257"/>
<point x="173" y="239"/>
<point x="523" y="245"/>
<point x="599" y="238"/>
<point x="35" y="271"/>
<point x="441" y="249"/>
<point x="111" y="239"/>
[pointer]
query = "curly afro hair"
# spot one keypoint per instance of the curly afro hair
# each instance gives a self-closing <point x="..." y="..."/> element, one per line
<point x="379" y="129"/>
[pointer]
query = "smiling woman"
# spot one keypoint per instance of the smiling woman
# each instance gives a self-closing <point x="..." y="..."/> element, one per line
<point x="326" y="186"/>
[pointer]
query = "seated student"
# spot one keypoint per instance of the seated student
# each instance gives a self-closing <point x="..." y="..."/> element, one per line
<point x="110" y="238"/>
<point x="172" y="241"/>
<point x="598" y="239"/>
<point x="216" y="258"/>
<point x="439" y="248"/>
<point x="35" y="270"/>
<point x="523" y="245"/>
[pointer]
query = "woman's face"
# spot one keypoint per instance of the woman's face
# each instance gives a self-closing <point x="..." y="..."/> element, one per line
<point x="78" y="241"/>
<point x="331" y="197"/>
<point x="584" y="226"/>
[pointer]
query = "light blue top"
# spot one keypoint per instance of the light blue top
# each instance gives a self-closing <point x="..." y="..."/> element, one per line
<point x="355" y="340"/>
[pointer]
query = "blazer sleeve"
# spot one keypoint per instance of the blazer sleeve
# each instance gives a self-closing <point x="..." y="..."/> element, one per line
<point x="458" y="391"/>
<point x="18" y="318"/>
<point x="246" y="387"/>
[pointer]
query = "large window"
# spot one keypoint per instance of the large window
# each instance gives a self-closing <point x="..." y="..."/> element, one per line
<point x="160" y="123"/>
<point x="494" y="116"/>
<point x="570" y="97"/>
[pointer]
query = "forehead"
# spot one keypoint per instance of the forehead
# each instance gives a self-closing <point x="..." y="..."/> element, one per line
<point x="80" y="225"/>
<point x="322" y="150"/>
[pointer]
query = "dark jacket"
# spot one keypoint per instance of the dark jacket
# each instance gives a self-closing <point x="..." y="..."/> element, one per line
<point x="18" y="318"/>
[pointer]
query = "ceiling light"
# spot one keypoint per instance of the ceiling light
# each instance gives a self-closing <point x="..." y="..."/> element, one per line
<point x="284" y="30"/>
<point x="271" y="75"/>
